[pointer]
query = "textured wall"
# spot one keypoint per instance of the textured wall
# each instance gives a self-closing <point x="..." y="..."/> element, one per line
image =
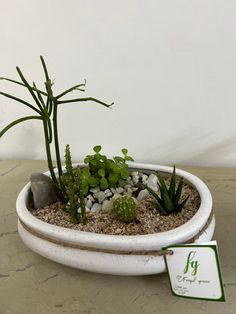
<point x="169" y="66"/>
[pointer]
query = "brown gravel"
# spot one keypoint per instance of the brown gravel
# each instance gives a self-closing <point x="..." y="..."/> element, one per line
<point x="149" y="220"/>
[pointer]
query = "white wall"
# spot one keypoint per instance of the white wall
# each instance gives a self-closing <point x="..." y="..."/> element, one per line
<point x="169" y="66"/>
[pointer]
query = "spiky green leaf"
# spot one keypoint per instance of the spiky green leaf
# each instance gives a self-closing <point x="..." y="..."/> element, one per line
<point x="172" y="185"/>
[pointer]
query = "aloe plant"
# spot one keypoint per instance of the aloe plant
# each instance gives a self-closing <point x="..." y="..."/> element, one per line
<point x="169" y="200"/>
<point x="46" y="106"/>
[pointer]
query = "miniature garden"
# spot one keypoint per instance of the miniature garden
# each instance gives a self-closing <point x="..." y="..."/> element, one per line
<point x="102" y="194"/>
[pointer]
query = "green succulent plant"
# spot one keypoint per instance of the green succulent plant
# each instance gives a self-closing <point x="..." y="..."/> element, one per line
<point x="75" y="189"/>
<point x="169" y="200"/>
<point x="125" y="208"/>
<point x="45" y="105"/>
<point x="106" y="172"/>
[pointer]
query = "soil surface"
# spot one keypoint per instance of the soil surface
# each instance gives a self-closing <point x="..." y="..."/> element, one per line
<point x="149" y="219"/>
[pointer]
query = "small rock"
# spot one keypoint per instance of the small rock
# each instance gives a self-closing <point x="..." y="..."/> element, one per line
<point x="95" y="190"/>
<point x="152" y="179"/>
<point x="115" y="196"/>
<point x="107" y="205"/>
<point x="96" y="207"/>
<point x="142" y="195"/>
<point x="119" y="190"/>
<point x="108" y="192"/>
<point x="152" y="182"/>
<point x="90" y="197"/>
<point x="129" y="181"/>
<point x="129" y="190"/>
<point x="95" y="195"/>
<point x="89" y="204"/>
<point x="127" y="186"/>
<point x="113" y="190"/>
<point x="135" y="179"/>
<point x="118" y="231"/>
<point x="134" y="173"/>
<point x="43" y="189"/>
<point x="144" y="178"/>
<point x="101" y="196"/>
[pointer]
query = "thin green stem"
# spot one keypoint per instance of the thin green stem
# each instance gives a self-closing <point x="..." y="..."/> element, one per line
<point x="19" y="121"/>
<point x="30" y="89"/>
<point x="21" y="101"/>
<point x="85" y="99"/>
<point x="48" y="151"/>
<point x="21" y="84"/>
<point x="39" y="96"/>
<point x="56" y="142"/>
<point x="76" y="87"/>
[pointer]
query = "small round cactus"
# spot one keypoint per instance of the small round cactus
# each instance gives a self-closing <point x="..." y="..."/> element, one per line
<point x="125" y="208"/>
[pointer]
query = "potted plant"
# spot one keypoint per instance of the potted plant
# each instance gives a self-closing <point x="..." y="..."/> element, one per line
<point x="106" y="215"/>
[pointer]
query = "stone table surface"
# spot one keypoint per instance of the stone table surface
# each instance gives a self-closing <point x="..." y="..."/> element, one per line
<point x="31" y="284"/>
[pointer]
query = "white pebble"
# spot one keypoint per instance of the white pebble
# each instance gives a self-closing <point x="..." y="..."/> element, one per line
<point x="142" y="195"/>
<point x="95" y="190"/>
<point x="135" y="179"/>
<point x="90" y="197"/>
<point x="144" y="178"/>
<point x="95" y="195"/>
<point x="119" y="190"/>
<point x="101" y="196"/>
<point x="108" y="193"/>
<point x="89" y="204"/>
<point x="152" y="179"/>
<point x="113" y="190"/>
<point x="127" y="186"/>
<point x="115" y="196"/>
<point x="107" y="205"/>
<point x="96" y="207"/>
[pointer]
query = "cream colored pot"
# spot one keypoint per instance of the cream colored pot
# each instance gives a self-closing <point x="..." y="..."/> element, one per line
<point x="114" y="254"/>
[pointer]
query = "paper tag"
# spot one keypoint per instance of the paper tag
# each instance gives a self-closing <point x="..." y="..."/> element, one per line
<point x="194" y="271"/>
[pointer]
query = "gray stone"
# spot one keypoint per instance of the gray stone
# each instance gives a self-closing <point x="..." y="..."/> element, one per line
<point x="101" y="196"/>
<point x="130" y="191"/>
<point x="95" y="190"/>
<point x="152" y="179"/>
<point x="96" y="207"/>
<point x="144" y="178"/>
<point x="142" y="195"/>
<point x="127" y="186"/>
<point x="152" y="182"/>
<point x="108" y="192"/>
<point x="115" y="196"/>
<point x="43" y="190"/>
<point x="119" y="190"/>
<point x="135" y="179"/>
<point x="95" y="195"/>
<point x="113" y="190"/>
<point x="107" y="205"/>
<point x="89" y="204"/>
<point x="90" y="197"/>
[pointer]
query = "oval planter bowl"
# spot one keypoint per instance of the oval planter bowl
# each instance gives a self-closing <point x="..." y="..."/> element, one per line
<point x="113" y="254"/>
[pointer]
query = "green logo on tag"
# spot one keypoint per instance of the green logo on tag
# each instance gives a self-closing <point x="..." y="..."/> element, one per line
<point x="193" y="264"/>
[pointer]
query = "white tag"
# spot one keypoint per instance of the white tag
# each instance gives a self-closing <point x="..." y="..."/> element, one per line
<point x="194" y="271"/>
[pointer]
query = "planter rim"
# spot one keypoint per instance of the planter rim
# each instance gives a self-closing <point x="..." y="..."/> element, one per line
<point x="120" y="242"/>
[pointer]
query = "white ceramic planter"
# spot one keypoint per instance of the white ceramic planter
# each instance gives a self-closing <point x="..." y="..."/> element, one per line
<point x="91" y="259"/>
